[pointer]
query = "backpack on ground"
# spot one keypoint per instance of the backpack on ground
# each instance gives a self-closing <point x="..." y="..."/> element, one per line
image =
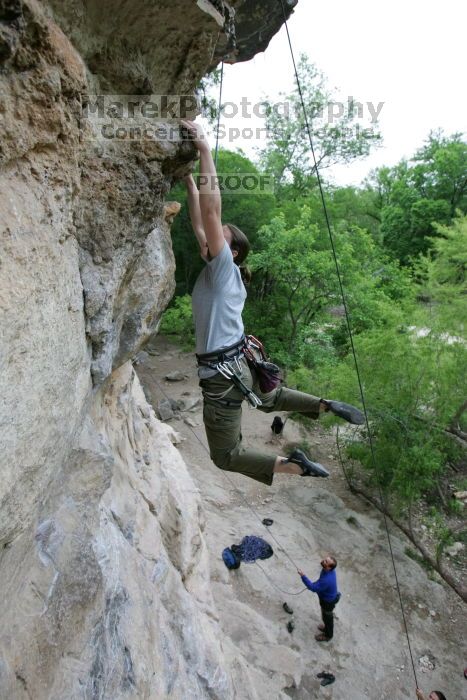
<point x="230" y="559"/>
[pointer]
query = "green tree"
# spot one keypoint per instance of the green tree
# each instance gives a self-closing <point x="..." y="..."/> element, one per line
<point x="444" y="277"/>
<point x="294" y="280"/>
<point x="444" y="287"/>
<point x="296" y="290"/>
<point x="336" y="140"/>
<point x="440" y="169"/>
<point x="413" y="373"/>
<point x="414" y="196"/>
<point x="411" y="386"/>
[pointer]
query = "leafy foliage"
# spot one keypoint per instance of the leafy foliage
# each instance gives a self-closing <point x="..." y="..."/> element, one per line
<point x="296" y="285"/>
<point x="444" y="276"/>
<point x="411" y="385"/>
<point x="177" y="321"/>
<point x="415" y="196"/>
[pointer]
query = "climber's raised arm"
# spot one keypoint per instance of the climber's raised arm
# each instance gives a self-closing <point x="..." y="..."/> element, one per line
<point x="209" y="193"/>
<point x="195" y="215"/>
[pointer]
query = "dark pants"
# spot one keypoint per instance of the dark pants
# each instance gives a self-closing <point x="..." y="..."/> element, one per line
<point x="224" y="423"/>
<point x="327" y="615"/>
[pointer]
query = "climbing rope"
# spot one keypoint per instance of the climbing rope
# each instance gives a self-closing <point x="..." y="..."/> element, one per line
<point x="276" y="586"/>
<point x="216" y="152"/>
<point x="349" y="329"/>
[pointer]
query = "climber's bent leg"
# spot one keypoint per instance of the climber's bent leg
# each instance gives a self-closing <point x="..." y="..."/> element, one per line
<point x="223" y="431"/>
<point x="224" y="428"/>
<point x="284" y="399"/>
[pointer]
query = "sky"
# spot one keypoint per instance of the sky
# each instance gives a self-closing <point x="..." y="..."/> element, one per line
<point x="409" y="55"/>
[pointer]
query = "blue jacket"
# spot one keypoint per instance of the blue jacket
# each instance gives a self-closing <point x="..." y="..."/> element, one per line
<point x="325" y="586"/>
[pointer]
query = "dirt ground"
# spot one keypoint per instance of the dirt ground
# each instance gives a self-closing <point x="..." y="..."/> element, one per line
<point x="369" y="653"/>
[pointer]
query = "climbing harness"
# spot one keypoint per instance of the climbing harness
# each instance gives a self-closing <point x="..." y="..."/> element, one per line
<point x="233" y="372"/>
<point x="228" y="353"/>
<point x="227" y="363"/>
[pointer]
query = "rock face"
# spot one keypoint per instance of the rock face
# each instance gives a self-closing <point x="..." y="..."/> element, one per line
<point x="98" y="564"/>
<point x="111" y="580"/>
<point x="253" y="29"/>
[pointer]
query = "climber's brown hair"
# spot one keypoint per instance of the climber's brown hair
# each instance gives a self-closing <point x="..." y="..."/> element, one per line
<point x="241" y="244"/>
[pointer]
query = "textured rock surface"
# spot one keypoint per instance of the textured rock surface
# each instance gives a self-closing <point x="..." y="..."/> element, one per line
<point x="105" y="588"/>
<point x="111" y="581"/>
<point x="253" y="27"/>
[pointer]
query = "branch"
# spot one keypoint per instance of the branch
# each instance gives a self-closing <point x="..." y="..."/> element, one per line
<point x="455" y="420"/>
<point x="441" y="494"/>
<point x="457" y="435"/>
<point x="459" y="588"/>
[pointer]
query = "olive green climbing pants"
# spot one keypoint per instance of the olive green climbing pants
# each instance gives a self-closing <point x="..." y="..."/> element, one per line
<point x="223" y="423"/>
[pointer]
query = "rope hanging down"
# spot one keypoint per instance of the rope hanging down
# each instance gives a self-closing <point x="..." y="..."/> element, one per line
<point x="216" y="152"/>
<point x="349" y="329"/>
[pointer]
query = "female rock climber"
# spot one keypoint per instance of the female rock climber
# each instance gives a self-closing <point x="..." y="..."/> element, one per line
<point x="218" y="298"/>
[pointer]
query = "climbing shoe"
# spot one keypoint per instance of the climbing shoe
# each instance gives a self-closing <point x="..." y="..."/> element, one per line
<point x="287" y="609"/>
<point x="309" y="468"/>
<point x="345" y="411"/>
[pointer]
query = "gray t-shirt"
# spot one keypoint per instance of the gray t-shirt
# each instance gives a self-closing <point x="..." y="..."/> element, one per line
<point x="218" y="299"/>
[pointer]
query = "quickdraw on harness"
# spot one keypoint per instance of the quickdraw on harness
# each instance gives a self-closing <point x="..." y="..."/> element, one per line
<point x="225" y="368"/>
<point x="227" y="363"/>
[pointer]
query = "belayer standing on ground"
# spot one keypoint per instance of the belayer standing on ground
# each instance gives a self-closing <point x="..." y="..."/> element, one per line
<point x="326" y="589"/>
<point x="226" y="378"/>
